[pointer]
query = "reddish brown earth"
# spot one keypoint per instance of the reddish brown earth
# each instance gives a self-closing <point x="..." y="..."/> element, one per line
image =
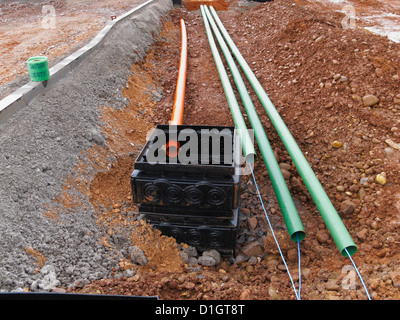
<point x="316" y="74"/>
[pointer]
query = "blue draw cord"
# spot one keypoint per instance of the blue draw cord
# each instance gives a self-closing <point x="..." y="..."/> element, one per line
<point x="359" y="275"/>
<point x="298" y="254"/>
<point x="276" y="241"/>
<point x="297" y="293"/>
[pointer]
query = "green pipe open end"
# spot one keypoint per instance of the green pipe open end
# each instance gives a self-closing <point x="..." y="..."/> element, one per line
<point x="251" y="158"/>
<point x="298" y="236"/>
<point x="350" y="249"/>
<point x="246" y="143"/>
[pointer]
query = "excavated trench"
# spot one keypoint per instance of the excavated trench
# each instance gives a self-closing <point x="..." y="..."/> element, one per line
<point x="74" y="227"/>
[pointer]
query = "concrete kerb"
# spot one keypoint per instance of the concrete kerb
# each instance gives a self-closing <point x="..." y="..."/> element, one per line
<point x="22" y="96"/>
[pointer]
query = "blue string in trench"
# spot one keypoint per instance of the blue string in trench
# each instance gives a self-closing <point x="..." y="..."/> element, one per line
<point x="297" y="292"/>
<point x="358" y="273"/>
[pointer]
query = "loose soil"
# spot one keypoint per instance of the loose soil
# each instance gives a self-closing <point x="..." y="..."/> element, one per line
<point x="316" y="74"/>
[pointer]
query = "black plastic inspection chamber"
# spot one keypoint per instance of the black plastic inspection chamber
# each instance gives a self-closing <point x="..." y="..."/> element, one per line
<point x="193" y="197"/>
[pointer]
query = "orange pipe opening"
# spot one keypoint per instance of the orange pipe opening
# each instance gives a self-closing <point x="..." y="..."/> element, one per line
<point x="179" y="101"/>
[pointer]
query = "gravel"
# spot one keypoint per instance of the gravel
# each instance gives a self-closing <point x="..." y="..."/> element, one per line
<point x="39" y="147"/>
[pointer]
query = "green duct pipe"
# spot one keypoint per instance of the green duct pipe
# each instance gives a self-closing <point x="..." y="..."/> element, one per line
<point x="241" y="129"/>
<point x="328" y="212"/>
<point x="289" y="211"/>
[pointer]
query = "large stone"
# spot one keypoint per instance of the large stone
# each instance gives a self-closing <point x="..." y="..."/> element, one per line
<point x="190" y="251"/>
<point x="393" y="144"/>
<point x="214" y="254"/>
<point x="347" y="207"/>
<point x="253" y="249"/>
<point x="395" y="276"/>
<point x="322" y="236"/>
<point x="297" y="184"/>
<point x="207" y="261"/>
<point x="245" y="295"/>
<point x="273" y="294"/>
<point x="363" y="234"/>
<point x="252" y="223"/>
<point x="286" y="174"/>
<point x="331" y="285"/>
<point x="370" y="100"/>
<point x="285" y="166"/>
<point x="379" y="72"/>
<point x="137" y="256"/>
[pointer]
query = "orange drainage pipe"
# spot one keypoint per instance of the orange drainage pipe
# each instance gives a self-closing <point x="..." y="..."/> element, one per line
<point x="177" y="112"/>
<point x="179" y="101"/>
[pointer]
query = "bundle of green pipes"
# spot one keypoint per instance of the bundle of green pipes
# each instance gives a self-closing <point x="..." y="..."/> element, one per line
<point x="295" y="228"/>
